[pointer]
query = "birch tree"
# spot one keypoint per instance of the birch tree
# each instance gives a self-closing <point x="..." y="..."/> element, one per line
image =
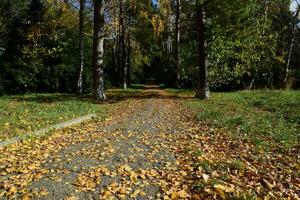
<point x="294" y="23"/>
<point x="81" y="48"/>
<point x="177" y="39"/>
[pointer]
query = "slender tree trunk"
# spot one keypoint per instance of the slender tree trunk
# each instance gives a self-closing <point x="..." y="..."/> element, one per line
<point x="291" y="48"/>
<point x="251" y="83"/>
<point x="81" y="48"/>
<point x="288" y="63"/>
<point x="177" y="41"/>
<point x="128" y="51"/>
<point x="202" y="91"/>
<point x="122" y="43"/>
<point x="114" y="61"/>
<point x="98" y="50"/>
<point x="119" y="55"/>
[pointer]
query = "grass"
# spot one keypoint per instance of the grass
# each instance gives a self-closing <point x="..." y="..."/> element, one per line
<point x="20" y="114"/>
<point x="181" y="92"/>
<point x="267" y="118"/>
<point x="25" y="113"/>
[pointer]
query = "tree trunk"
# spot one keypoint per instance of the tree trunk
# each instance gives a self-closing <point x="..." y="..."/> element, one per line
<point x="202" y="91"/>
<point x="177" y="41"/>
<point x="114" y="62"/>
<point x="287" y="69"/>
<point x="129" y="45"/>
<point x="290" y="52"/>
<point x="251" y="83"/>
<point x="98" y="50"/>
<point x="128" y="51"/>
<point x="122" y="43"/>
<point x="81" y="48"/>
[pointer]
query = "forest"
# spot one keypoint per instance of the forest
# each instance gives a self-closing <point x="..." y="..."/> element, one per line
<point x="150" y="99"/>
<point x="47" y="46"/>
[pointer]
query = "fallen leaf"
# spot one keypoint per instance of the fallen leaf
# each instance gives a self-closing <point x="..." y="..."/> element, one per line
<point x="224" y="188"/>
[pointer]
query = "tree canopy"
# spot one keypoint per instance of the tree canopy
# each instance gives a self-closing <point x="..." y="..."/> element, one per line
<point x="46" y="45"/>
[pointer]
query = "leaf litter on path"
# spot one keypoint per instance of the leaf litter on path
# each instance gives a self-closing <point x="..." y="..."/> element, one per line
<point x="149" y="149"/>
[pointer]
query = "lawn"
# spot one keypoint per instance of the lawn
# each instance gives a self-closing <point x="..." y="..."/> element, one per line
<point x="21" y="114"/>
<point x="270" y="119"/>
<point x="25" y="113"/>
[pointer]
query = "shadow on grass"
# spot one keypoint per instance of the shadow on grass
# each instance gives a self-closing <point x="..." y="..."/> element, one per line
<point x="49" y="98"/>
<point x="137" y="91"/>
<point x="146" y="87"/>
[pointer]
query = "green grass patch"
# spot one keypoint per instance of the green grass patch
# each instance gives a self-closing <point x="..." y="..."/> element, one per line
<point x="25" y="113"/>
<point x="20" y="114"/>
<point x="238" y="165"/>
<point x="181" y="92"/>
<point x="268" y="118"/>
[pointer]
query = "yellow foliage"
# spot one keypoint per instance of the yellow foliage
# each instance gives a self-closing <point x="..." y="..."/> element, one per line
<point x="158" y="25"/>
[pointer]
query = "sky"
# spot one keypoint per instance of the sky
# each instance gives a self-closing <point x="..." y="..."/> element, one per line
<point x="294" y="4"/>
<point x="154" y="1"/>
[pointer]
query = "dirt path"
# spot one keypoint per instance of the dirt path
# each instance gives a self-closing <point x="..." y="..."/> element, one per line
<point x="134" y="158"/>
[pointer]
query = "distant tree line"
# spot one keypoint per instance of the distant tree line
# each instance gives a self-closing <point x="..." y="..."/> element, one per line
<point x="84" y="46"/>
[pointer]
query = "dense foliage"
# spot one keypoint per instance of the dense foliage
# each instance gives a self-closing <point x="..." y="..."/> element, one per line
<point x="250" y="44"/>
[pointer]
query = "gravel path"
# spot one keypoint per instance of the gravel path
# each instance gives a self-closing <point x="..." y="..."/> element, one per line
<point x="130" y="159"/>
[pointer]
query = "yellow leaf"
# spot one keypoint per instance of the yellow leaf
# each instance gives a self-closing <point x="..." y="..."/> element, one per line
<point x="71" y="198"/>
<point x="269" y="185"/>
<point x="174" y="195"/>
<point x="32" y="167"/>
<point x="122" y="191"/>
<point x="127" y="168"/>
<point x="224" y="188"/>
<point x="38" y="176"/>
<point x="43" y="192"/>
<point x="182" y="194"/>
<point x="12" y="190"/>
<point x="9" y="170"/>
<point x="26" y="197"/>
<point x="183" y="173"/>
